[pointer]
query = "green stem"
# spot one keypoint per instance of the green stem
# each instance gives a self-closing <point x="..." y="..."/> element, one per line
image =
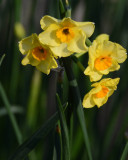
<point x="68" y="9"/>
<point x="64" y="12"/>
<point x="88" y="42"/>
<point x="76" y="101"/>
<point x="11" y="116"/>
<point x="64" y="131"/>
<point x="80" y="65"/>
<point x="125" y="152"/>
<point x="61" y="8"/>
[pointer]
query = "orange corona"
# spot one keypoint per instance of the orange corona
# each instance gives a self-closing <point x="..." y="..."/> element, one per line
<point x="39" y="53"/>
<point x="102" y="93"/>
<point x="102" y="63"/>
<point x="65" y="34"/>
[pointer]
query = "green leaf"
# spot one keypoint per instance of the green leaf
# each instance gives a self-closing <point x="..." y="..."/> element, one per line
<point x="125" y="152"/>
<point x="31" y="142"/>
<point x="1" y="60"/>
<point x="64" y="131"/>
<point x="10" y="114"/>
<point x="81" y="117"/>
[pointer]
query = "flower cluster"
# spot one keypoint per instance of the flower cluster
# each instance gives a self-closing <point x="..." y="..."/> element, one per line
<point x="62" y="38"/>
<point x="104" y="57"/>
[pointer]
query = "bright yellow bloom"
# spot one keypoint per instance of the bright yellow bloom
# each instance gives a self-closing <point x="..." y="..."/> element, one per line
<point x="66" y="36"/>
<point x="104" y="57"/>
<point x="37" y="54"/>
<point x="100" y="93"/>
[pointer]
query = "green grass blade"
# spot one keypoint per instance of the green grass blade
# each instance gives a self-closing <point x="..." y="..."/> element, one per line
<point x="58" y="144"/>
<point x="125" y="152"/>
<point x="11" y="116"/>
<point x="81" y="117"/>
<point x="31" y="142"/>
<point x="64" y="131"/>
<point x="33" y="99"/>
<point x="1" y="59"/>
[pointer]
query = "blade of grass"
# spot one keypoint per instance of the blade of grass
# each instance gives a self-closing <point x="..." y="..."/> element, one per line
<point x="81" y="117"/>
<point x="125" y="152"/>
<point x="31" y="142"/>
<point x="58" y="144"/>
<point x="11" y="116"/>
<point x="64" y="131"/>
<point x="1" y="60"/>
<point x="33" y="98"/>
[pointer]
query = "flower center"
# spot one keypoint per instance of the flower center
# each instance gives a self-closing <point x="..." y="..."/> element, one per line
<point x="39" y="53"/>
<point x="102" y="93"/>
<point x="65" y="34"/>
<point x="103" y="62"/>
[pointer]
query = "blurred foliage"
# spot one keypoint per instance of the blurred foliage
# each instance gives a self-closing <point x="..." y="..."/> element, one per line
<point x="35" y="92"/>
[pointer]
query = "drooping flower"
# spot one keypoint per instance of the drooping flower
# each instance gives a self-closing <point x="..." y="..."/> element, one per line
<point x="100" y="93"/>
<point x="66" y="36"/>
<point x="104" y="57"/>
<point x="37" y="54"/>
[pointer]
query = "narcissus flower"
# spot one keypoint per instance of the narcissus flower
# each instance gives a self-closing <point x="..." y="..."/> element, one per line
<point x="104" y="57"/>
<point x="37" y="54"/>
<point x="66" y="36"/>
<point x="100" y="93"/>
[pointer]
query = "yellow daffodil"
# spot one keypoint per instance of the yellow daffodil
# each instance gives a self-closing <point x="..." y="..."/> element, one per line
<point x="100" y="93"/>
<point x="66" y="36"/>
<point x="37" y="54"/>
<point x="104" y="57"/>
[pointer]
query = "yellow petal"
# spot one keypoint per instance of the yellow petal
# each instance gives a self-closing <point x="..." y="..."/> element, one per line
<point x="108" y="82"/>
<point x="102" y="38"/>
<point x="100" y="101"/>
<point x="87" y="101"/>
<point x="25" y="60"/>
<point x="92" y="55"/>
<point x="61" y="50"/>
<point x="77" y="44"/>
<point x="28" y="59"/>
<point x="47" y="20"/>
<point x="121" y="54"/>
<point x="45" y="66"/>
<point x="94" y="75"/>
<point x="86" y="27"/>
<point x="88" y="98"/>
<point x="28" y="43"/>
<point x="68" y="22"/>
<point x="110" y="92"/>
<point x="48" y="37"/>
<point x="105" y="48"/>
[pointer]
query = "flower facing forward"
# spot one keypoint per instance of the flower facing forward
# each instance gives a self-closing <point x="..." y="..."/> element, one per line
<point x="100" y="93"/>
<point x="66" y="36"/>
<point x="104" y="57"/>
<point x="37" y="54"/>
